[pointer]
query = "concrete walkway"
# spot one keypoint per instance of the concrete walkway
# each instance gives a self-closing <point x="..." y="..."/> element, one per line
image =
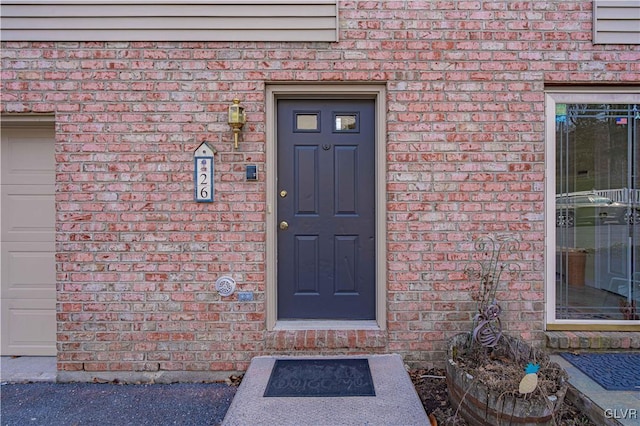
<point x="603" y="407"/>
<point x="394" y="394"/>
<point x="24" y="369"/>
<point x="396" y="401"/>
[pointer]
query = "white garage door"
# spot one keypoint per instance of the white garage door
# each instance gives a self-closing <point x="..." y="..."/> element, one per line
<point x="27" y="219"/>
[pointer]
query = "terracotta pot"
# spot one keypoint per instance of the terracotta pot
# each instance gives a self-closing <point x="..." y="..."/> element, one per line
<point x="479" y="405"/>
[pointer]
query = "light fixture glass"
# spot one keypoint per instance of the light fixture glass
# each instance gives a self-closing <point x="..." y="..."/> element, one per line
<point x="237" y="118"/>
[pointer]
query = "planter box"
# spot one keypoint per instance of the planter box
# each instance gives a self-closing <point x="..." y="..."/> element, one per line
<point x="479" y="405"/>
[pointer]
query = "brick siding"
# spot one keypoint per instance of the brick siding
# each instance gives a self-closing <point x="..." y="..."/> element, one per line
<point x="593" y="341"/>
<point x="137" y="257"/>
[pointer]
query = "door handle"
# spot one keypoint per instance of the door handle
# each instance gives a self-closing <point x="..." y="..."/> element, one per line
<point x="284" y="225"/>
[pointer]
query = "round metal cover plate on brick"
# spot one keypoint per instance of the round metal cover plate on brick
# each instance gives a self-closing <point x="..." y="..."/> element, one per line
<point x="225" y="285"/>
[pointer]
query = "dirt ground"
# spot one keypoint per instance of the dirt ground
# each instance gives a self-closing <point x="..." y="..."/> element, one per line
<point x="432" y="389"/>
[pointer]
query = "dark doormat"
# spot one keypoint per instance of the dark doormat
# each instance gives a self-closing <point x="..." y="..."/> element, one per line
<point x="612" y="371"/>
<point x="320" y="378"/>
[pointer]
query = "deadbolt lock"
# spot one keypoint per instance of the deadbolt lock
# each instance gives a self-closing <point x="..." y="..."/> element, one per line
<point x="284" y="225"/>
<point x="283" y="193"/>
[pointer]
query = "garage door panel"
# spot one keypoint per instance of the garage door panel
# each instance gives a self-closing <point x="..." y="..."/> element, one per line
<point x="28" y="270"/>
<point x="27" y="156"/>
<point x="28" y="327"/>
<point x="27" y="232"/>
<point x="28" y="213"/>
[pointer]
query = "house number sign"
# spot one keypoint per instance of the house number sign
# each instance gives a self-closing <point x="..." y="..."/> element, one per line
<point x="203" y="173"/>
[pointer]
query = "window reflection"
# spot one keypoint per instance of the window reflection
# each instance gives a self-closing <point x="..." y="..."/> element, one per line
<point x="597" y="212"/>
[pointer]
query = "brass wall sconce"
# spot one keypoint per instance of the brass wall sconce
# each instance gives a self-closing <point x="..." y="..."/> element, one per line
<point x="237" y="118"/>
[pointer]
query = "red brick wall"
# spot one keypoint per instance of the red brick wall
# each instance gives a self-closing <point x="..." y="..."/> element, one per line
<point x="137" y="257"/>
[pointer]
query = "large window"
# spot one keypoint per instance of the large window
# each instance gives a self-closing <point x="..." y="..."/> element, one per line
<point x="593" y="208"/>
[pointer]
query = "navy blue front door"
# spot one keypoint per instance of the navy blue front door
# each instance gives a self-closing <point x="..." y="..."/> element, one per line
<point x="326" y="209"/>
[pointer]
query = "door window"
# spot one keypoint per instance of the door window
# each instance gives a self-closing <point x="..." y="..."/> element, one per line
<point x="596" y="196"/>
<point x="307" y="121"/>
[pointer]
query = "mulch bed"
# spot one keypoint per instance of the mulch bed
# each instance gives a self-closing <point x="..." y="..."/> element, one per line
<point x="432" y="390"/>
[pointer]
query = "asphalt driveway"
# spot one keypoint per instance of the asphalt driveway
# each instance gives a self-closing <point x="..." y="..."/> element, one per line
<point x="72" y="404"/>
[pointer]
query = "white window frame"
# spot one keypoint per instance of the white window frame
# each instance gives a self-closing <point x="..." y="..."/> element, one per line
<point x="571" y="96"/>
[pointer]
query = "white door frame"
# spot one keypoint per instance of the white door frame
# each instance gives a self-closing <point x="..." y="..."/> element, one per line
<point x="319" y="91"/>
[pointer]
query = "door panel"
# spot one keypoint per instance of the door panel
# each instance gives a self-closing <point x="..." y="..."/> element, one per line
<point x="20" y="278"/>
<point x="597" y="192"/>
<point x="326" y="176"/>
<point x="346" y="169"/>
<point x="306" y="265"/>
<point x="306" y="180"/>
<point x="27" y="156"/>
<point x="28" y="292"/>
<point x="28" y="212"/>
<point x="346" y="262"/>
<point x="29" y="327"/>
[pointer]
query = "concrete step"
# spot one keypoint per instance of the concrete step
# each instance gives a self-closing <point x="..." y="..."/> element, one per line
<point x="396" y="401"/>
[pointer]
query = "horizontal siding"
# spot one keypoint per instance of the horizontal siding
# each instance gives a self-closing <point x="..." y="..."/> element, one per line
<point x="616" y="22"/>
<point x="257" y="20"/>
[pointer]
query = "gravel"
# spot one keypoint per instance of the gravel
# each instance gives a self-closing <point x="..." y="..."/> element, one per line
<point x="73" y="404"/>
